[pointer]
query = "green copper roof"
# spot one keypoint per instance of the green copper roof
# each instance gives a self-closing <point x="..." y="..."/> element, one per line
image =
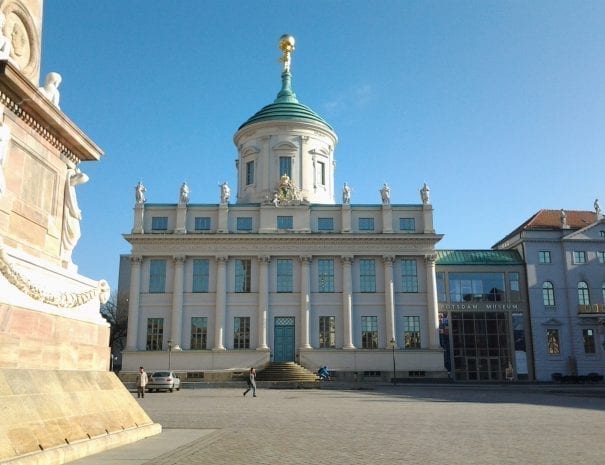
<point x="478" y="257"/>
<point x="286" y="107"/>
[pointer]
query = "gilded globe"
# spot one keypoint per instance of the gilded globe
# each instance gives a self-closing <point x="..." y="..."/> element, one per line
<point x="286" y="42"/>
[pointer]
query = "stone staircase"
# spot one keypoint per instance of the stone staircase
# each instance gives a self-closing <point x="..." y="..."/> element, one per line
<point x="287" y="374"/>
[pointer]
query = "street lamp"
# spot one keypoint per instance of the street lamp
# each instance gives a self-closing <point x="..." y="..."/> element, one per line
<point x="169" y="353"/>
<point x="393" y="342"/>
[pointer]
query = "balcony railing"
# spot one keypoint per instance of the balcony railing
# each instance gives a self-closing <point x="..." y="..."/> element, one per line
<point x="591" y="309"/>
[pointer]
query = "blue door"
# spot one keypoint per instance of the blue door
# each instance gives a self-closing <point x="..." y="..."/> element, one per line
<point x="283" y="344"/>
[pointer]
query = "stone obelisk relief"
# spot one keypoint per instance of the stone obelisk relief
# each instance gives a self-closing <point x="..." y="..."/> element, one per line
<point x="59" y="401"/>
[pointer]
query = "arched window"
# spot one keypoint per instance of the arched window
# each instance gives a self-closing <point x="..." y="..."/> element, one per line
<point x="583" y="295"/>
<point x="548" y="294"/>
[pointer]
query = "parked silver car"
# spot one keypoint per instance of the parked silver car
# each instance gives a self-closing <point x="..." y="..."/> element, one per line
<point x="163" y="381"/>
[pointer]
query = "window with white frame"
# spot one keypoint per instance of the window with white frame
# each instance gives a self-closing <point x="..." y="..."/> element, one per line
<point x="602" y="234"/>
<point x="407" y="225"/>
<point x="366" y="224"/>
<point x="579" y="257"/>
<point x="514" y="287"/>
<point x="242" y="275"/>
<point x="601" y="256"/>
<point x="548" y="294"/>
<point x="250" y="173"/>
<point x="369" y="332"/>
<point x="322" y="173"/>
<point x="244" y="223"/>
<point x="411" y="332"/>
<point x="241" y="332"/>
<point x="588" y="335"/>
<point x="544" y="256"/>
<point x="583" y="293"/>
<point x="159" y="223"/>
<point x="409" y="275"/>
<point x="285" y="222"/>
<point x="367" y="275"/>
<point x="155" y="333"/>
<point x="284" y="275"/>
<point x="199" y="333"/>
<point x="157" y="276"/>
<point x="327" y="332"/>
<point x="325" y="224"/>
<point x="325" y="269"/>
<point x="200" y="275"/>
<point x="202" y="223"/>
<point x="552" y="340"/>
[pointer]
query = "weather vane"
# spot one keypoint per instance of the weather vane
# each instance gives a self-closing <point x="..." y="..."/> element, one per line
<point x="286" y="44"/>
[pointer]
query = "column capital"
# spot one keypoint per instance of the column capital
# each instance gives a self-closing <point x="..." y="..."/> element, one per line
<point x="179" y="259"/>
<point x="264" y="259"/>
<point x="136" y="259"/>
<point x="430" y="258"/>
<point x="305" y="259"/>
<point x="221" y="258"/>
<point x="388" y="259"/>
<point x="347" y="259"/>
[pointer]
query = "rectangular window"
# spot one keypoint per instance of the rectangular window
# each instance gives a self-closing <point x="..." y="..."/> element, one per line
<point x="155" y="333"/>
<point x="589" y="341"/>
<point x="200" y="275"/>
<point x="199" y="333"/>
<point x="250" y="173"/>
<point x="602" y="234"/>
<point x="284" y="275"/>
<point x="579" y="257"/>
<point x="159" y="223"/>
<point x="327" y="332"/>
<point x="411" y="332"/>
<point x="322" y="173"/>
<point x="514" y="289"/>
<point x="284" y="222"/>
<point x="285" y="166"/>
<point x="325" y="224"/>
<point x="476" y="287"/>
<point x="241" y="332"/>
<point x="601" y="256"/>
<point x="325" y="267"/>
<point x="552" y="338"/>
<point x="242" y="275"/>
<point x="544" y="256"/>
<point x="367" y="275"/>
<point x="202" y="223"/>
<point x="366" y="224"/>
<point x="157" y="276"/>
<point x="441" y="294"/>
<point x="407" y="225"/>
<point x="244" y="223"/>
<point x="369" y="332"/>
<point x="409" y="276"/>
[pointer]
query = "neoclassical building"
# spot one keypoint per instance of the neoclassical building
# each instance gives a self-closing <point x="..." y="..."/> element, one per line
<point x="284" y="271"/>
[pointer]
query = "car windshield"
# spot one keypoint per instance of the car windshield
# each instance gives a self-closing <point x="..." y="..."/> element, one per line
<point x="160" y="374"/>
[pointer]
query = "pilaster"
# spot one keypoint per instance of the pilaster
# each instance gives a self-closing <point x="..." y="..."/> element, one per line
<point x="387" y="218"/>
<point x="133" y="303"/>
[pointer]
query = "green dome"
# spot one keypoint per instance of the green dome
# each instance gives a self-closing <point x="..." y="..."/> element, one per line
<point x="286" y="107"/>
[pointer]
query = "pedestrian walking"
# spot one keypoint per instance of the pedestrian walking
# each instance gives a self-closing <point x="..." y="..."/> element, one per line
<point x="141" y="382"/>
<point x="251" y="382"/>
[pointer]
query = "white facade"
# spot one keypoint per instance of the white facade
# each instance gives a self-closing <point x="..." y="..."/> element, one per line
<point x="565" y="265"/>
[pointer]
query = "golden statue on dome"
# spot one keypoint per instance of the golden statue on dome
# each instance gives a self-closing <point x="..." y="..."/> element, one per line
<point x="286" y="44"/>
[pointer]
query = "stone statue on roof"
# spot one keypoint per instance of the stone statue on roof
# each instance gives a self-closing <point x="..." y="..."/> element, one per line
<point x="346" y="194"/>
<point x="51" y="88"/>
<point x="563" y="217"/>
<point x="184" y="194"/>
<point x="385" y="194"/>
<point x="139" y="193"/>
<point x="286" y="44"/>
<point x="597" y="208"/>
<point x="425" y="193"/>
<point x="225" y="192"/>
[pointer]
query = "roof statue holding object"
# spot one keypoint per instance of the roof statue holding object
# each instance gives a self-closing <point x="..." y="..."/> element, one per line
<point x="286" y="44"/>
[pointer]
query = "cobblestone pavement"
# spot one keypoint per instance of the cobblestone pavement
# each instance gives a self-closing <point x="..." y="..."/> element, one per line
<point x="415" y="424"/>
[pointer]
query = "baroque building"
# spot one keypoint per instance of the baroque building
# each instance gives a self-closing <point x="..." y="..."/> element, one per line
<point x="564" y="255"/>
<point x="284" y="273"/>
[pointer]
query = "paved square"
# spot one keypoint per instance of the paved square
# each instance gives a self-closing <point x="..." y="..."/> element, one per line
<point x="416" y="424"/>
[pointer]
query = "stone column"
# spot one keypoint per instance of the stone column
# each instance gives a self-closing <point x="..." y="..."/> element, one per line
<point x="177" y="303"/>
<point x="431" y="295"/>
<point x="263" y="301"/>
<point x="389" y="300"/>
<point x="347" y="302"/>
<point x="221" y="301"/>
<point x="305" y="301"/>
<point x="132" y="332"/>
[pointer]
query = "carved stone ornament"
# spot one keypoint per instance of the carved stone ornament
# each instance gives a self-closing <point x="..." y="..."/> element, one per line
<point x="61" y="300"/>
<point x="25" y="44"/>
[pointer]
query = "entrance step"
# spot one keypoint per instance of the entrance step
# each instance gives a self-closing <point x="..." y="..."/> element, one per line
<point x="286" y="371"/>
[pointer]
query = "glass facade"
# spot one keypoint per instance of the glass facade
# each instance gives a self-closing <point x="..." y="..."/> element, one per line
<point x="476" y="287"/>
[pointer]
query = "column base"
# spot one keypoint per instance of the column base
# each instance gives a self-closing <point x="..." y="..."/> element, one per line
<point x="305" y="347"/>
<point x="351" y="347"/>
<point x="263" y="348"/>
<point x="218" y="349"/>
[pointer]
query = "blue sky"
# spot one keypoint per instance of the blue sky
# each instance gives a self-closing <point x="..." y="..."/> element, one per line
<point x="498" y="105"/>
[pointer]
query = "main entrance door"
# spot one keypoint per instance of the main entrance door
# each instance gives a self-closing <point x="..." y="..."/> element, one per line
<point x="283" y="344"/>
